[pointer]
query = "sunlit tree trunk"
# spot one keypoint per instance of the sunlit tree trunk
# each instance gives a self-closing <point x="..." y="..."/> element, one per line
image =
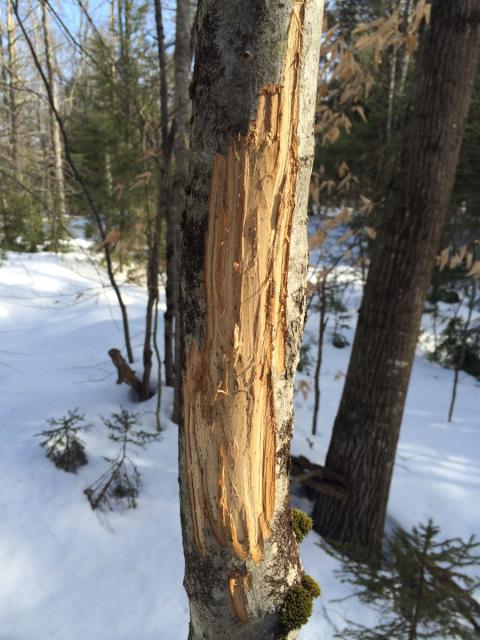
<point x="59" y="201"/>
<point x="242" y="302"/>
<point x="367" y="427"/>
<point x="13" y="93"/>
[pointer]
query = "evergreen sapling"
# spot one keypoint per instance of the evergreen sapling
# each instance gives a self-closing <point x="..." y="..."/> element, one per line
<point x="63" y="444"/>
<point x="421" y="592"/>
<point x="119" y="487"/>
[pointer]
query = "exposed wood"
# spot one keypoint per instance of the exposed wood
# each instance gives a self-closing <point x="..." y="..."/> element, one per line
<point x="228" y="381"/>
<point x="242" y="303"/>
<point x="238" y="585"/>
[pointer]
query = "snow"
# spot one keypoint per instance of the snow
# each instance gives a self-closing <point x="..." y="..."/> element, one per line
<point x="70" y="574"/>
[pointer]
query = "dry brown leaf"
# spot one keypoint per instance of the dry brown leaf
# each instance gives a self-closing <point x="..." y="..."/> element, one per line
<point x="367" y="204"/>
<point x="475" y="270"/>
<point x="359" y="109"/>
<point x="443" y="258"/>
<point x="304" y="387"/>
<point x="111" y="238"/>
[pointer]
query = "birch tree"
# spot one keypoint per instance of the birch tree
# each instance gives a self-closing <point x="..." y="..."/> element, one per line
<point x="55" y="136"/>
<point x="13" y="92"/>
<point x="242" y="307"/>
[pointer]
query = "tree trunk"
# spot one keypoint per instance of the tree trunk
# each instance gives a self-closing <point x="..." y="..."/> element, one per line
<point x="182" y="62"/>
<point x="463" y="347"/>
<point x="170" y="288"/>
<point x="242" y="304"/>
<point x="59" y="201"/>
<point x="39" y="118"/>
<point x="13" y="93"/>
<point x="367" y="426"/>
<point x="322" y="325"/>
<point x="4" y="115"/>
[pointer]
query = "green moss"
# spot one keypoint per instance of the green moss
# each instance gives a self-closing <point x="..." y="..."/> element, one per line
<point x="311" y="586"/>
<point x="302" y="524"/>
<point x="297" y="608"/>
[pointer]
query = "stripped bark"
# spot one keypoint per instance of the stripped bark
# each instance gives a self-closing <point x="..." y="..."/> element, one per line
<point x="242" y="304"/>
<point x="367" y="426"/>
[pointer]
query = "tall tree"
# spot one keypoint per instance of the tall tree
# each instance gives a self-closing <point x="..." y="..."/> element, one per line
<point x="165" y="171"/>
<point x="242" y="303"/>
<point x="59" y="203"/>
<point x="367" y="426"/>
<point x="13" y="92"/>
<point x="182" y="62"/>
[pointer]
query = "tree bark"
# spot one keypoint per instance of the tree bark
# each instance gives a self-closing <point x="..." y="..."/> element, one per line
<point x="367" y="426"/>
<point x="59" y="206"/>
<point x="170" y="288"/>
<point x="4" y="115"/>
<point x="242" y="302"/>
<point x="13" y="93"/>
<point x="182" y="62"/>
<point x="463" y="347"/>
<point x="322" y="325"/>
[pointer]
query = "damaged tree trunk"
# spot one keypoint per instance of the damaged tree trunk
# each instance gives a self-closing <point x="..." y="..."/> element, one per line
<point x="242" y="304"/>
<point x="367" y="427"/>
<point x="182" y="63"/>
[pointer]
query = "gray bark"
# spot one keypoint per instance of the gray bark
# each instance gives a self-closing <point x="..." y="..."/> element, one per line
<point x="182" y="62"/>
<point x="240" y="563"/>
<point x="59" y="206"/>
<point x="13" y="92"/>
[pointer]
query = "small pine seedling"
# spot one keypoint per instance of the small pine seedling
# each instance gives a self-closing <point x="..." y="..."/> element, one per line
<point x="424" y="590"/>
<point x="119" y="486"/>
<point x="62" y="444"/>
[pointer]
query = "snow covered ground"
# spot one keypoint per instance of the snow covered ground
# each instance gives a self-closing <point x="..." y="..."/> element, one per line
<point x="67" y="573"/>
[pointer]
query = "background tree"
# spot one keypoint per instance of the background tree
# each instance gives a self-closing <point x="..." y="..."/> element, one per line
<point x="367" y="426"/>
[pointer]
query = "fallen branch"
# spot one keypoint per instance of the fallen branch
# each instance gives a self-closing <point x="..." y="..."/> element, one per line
<point x="125" y="373"/>
<point x="318" y="478"/>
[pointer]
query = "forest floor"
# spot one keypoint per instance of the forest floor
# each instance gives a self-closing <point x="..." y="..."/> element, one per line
<point x="68" y="573"/>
